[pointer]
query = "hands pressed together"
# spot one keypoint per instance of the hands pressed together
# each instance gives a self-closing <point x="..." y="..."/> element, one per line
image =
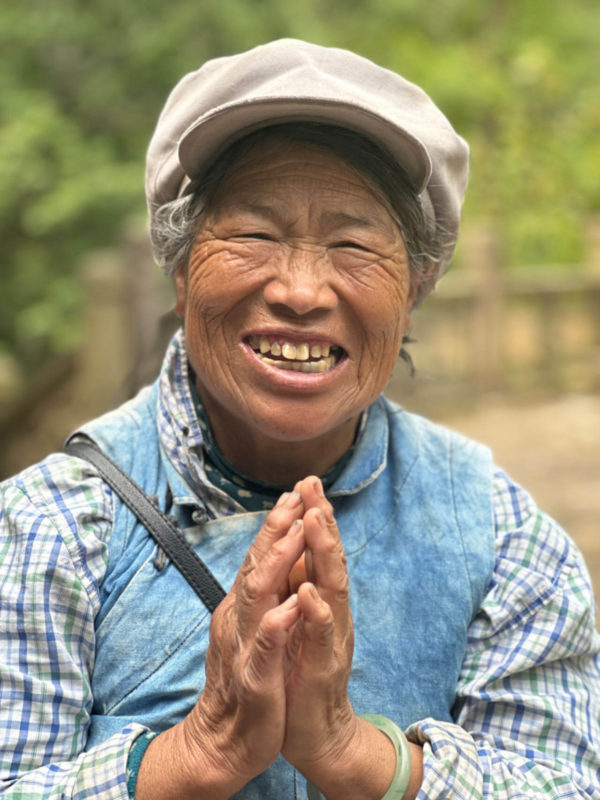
<point x="277" y="669"/>
<point x="279" y="658"/>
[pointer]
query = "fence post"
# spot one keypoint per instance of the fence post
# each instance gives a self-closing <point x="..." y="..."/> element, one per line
<point x="593" y="261"/>
<point x="592" y="230"/>
<point x="105" y="355"/>
<point x="481" y="253"/>
<point x="149" y="300"/>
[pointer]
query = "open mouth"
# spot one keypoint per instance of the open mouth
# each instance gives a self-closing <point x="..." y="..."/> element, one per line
<point x="302" y="357"/>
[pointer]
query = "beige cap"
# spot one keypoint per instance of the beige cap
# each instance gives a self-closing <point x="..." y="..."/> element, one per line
<point x="289" y="80"/>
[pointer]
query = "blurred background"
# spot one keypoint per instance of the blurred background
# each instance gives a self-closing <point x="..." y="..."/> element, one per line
<point x="508" y="348"/>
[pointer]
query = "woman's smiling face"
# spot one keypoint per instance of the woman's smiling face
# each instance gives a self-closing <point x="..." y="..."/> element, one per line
<point x="295" y="300"/>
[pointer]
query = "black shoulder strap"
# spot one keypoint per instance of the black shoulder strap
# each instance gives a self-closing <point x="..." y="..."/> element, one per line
<point x="158" y="525"/>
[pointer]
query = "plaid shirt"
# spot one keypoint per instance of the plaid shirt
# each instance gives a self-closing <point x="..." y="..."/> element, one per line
<point x="527" y="711"/>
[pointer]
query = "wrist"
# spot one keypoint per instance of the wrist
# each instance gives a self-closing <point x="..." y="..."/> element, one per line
<point x="403" y="770"/>
<point x="178" y="766"/>
<point x="134" y="760"/>
<point x="382" y="765"/>
<point x="362" y="770"/>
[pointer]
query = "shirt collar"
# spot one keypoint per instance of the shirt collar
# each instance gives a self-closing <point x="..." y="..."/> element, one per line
<point x="182" y="440"/>
<point x="181" y="436"/>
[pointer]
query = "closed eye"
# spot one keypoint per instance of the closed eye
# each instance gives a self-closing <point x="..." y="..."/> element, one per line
<point x="352" y="246"/>
<point x="258" y="235"/>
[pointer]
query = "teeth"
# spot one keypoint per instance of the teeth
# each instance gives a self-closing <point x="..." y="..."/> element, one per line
<point x="323" y="365"/>
<point x="302" y="352"/>
<point x="296" y="355"/>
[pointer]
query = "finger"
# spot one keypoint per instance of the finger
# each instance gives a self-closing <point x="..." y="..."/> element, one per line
<point x="299" y="572"/>
<point x="318" y="629"/>
<point x="289" y="507"/>
<point x="328" y="565"/>
<point x="313" y="494"/>
<point x="260" y="589"/>
<point x="264" y="667"/>
<point x="293" y="646"/>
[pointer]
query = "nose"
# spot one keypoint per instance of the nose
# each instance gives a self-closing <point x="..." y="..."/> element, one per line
<point x="302" y="283"/>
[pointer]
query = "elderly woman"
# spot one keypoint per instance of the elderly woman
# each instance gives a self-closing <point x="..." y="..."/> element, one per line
<point x="400" y="619"/>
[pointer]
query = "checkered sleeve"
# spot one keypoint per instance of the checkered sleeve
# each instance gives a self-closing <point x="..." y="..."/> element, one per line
<point x="527" y="711"/>
<point x="55" y="520"/>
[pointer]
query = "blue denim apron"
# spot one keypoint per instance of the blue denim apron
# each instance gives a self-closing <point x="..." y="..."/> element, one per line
<point x="414" y="510"/>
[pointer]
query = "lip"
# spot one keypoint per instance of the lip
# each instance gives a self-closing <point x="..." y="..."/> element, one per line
<point x="298" y="381"/>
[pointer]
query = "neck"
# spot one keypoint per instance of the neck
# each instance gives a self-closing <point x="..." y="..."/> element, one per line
<point x="275" y="461"/>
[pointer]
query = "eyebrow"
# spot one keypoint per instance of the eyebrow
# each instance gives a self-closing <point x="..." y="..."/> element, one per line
<point x="341" y="218"/>
<point x="252" y="208"/>
<point x="332" y="218"/>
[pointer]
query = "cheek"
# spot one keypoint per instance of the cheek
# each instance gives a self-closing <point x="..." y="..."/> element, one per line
<point x="381" y="299"/>
<point x="226" y="266"/>
<point x="383" y="313"/>
<point x="220" y="276"/>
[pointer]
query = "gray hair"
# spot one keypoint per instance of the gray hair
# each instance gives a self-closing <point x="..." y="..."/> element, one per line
<point x="174" y="224"/>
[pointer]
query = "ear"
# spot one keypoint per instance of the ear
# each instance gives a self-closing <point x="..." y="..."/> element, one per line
<point x="180" y="279"/>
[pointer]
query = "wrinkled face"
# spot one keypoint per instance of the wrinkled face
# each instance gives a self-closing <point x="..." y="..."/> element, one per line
<point x="296" y="296"/>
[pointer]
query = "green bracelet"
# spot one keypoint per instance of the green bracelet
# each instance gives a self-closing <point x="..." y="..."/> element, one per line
<point x="401" y="778"/>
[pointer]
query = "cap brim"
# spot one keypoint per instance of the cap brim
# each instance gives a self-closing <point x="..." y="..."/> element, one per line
<point x="212" y="133"/>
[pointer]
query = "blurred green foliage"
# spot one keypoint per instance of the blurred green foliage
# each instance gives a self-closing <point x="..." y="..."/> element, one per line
<point x="81" y="85"/>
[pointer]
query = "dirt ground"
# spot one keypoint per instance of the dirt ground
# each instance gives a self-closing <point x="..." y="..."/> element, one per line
<point x="552" y="449"/>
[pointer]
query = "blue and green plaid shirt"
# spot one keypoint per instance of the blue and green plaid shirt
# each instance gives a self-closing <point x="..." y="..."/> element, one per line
<point x="527" y="711"/>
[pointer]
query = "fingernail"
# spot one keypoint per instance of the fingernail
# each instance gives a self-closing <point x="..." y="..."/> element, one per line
<point x="282" y="499"/>
<point x="318" y="487"/>
<point x="314" y="592"/>
<point x="297" y="527"/>
<point x="293" y="499"/>
<point x="321" y="518"/>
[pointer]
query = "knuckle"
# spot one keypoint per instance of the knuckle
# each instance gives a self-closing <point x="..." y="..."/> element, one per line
<point x="278" y="549"/>
<point x="251" y="589"/>
<point x="270" y="526"/>
<point x="342" y="592"/>
<point x="265" y="644"/>
<point x="325" y="616"/>
<point x="325" y="632"/>
<point x="247" y="568"/>
<point x="266" y="636"/>
<point x="249" y="564"/>
<point x="335" y="548"/>
<point x="253" y="678"/>
<point x="329" y="514"/>
<point x="276" y="519"/>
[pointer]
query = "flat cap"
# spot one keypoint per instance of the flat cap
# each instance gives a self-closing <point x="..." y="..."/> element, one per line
<point x="288" y="80"/>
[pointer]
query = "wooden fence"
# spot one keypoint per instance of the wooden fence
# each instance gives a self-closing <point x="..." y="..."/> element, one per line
<point x="530" y="332"/>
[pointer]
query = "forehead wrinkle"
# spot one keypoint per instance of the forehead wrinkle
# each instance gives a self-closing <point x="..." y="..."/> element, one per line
<point x="260" y="185"/>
